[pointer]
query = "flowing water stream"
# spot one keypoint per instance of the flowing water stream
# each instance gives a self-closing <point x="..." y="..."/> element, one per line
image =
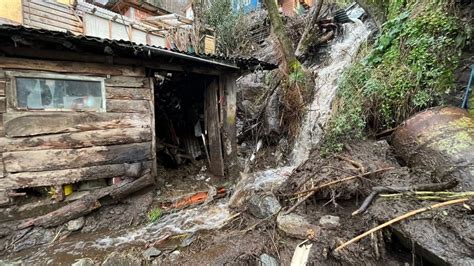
<point x="213" y="216"/>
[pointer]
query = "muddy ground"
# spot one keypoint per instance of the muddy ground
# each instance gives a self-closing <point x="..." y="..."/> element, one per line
<point x="244" y="238"/>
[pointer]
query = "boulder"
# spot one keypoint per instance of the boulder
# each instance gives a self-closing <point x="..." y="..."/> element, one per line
<point x="83" y="262"/>
<point x="76" y="224"/>
<point x="151" y="252"/>
<point x="262" y="206"/>
<point x="267" y="260"/>
<point x="329" y="221"/>
<point x="119" y="259"/>
<point x="296" y="226"/>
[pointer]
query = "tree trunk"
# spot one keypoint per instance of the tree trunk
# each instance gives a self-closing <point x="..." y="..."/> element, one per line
<point x="311" y="31"/>
<point x="279" y="30"/>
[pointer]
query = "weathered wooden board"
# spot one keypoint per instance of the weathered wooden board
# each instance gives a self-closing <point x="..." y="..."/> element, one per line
<point x="2" y="88"/>
<point x="47" y="160"/>
<point x="65" y="176"/>
<point x="229" y="134"/>
<point x="59" y="18"/>
<point x="3" y="106"/>
<point x="47" y="21"/>
<point x="128" y="106"/>
<point x="126" y="82"/>
<point x="70" y="67"/>
<point x="40" y="123"/>
<point x="214" y="135"/>
<point x="53" y="10"/>
<point x="117" y="93"/>
<point x="77" y="140"/>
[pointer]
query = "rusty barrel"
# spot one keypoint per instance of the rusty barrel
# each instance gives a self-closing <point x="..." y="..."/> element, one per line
<point x="441" y="140"/>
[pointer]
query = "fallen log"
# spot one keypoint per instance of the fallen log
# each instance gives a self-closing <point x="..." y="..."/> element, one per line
<point x="132" y="187"/>
<point x="88" y="203"/>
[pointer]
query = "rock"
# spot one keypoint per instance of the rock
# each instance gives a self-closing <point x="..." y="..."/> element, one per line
<point x="83" y="262"/>
<point x="329" y="221"/>
<point x="267" y="260"/>
<point x="119" y="259"/>
<point x="76" y="224"/>
<point x="151" y="253"/>
<point x="262" y="206"/>
<point x="296" y="226"/>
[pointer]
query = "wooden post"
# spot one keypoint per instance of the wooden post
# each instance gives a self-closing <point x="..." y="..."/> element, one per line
<point x="213" y="129"/>
<point x="154" y="167"/>
<point x="229" y="130"/>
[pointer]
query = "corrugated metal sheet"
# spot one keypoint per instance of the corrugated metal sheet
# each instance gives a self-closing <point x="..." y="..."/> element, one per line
<point x="135" y="50"/>
<point x="51" y="15"/>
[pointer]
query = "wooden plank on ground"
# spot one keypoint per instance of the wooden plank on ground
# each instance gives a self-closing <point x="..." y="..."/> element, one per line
<point x="95" y="69"/>
<point x="117" y="93"/>
<point x="47" y="160"/>
<point x="76" y="140"/>
<point x="66" y="176"/>
<point x="128" y="106"/>
<point x="214" y="135"/>
<point x="40" y="123"/>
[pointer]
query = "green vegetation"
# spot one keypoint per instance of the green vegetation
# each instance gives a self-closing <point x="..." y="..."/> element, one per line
<point x="228" y="25"/>
<point x="154" y="215"/>
<point x="410" y="68"/>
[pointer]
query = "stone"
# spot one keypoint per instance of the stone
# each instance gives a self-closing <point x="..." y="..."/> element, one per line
<point x="329" y="221"/>
<point x="263" y="206"/>
<point x="267" y="260"/>
<point x="83" y="262"/>
<point x="296" y="226"/>
<point x="76" y="224"/>
<point x="118" y="259"/>
<point x="151" y="253"/>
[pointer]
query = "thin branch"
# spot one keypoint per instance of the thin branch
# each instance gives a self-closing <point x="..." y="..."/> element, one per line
<point x="399" y="218"/>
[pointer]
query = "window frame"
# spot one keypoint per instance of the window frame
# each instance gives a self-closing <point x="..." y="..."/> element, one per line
<point x="12" y="104"/>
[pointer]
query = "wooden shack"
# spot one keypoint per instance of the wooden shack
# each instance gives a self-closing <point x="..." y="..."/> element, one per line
<point x="76" y="108"/>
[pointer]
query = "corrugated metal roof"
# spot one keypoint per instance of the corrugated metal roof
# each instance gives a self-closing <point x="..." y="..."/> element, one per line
<point x="138" y="50"/>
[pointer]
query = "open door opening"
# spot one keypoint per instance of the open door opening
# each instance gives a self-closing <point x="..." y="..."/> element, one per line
<point x="187" y="121"/>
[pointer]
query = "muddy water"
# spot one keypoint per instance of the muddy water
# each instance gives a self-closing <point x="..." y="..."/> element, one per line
<point x="342" y="52"/>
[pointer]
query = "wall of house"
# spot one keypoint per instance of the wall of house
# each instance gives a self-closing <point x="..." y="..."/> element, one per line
<point x="39" y="148"/>
<point x="11" y="10"/>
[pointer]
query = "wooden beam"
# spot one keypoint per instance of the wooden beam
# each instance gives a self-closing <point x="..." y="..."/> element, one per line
<point x="76" y="140"/>
<point x="24" y="124"/>
<point x="69" y="67"/>
<point x="213" y="130"/>
<point x="229" y="124"/>
<point x="47" y="160"/>
<point x="126" y="82"/>
<point x="67" y="176"/>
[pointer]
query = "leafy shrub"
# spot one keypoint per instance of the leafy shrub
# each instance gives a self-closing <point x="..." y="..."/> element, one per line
<point x="410" y="68"/>
<point x="154" y="215"/>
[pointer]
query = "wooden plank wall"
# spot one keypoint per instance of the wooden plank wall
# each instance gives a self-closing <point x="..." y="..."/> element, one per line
<point x="51" y="15"/>
<point x="52" y="148"/>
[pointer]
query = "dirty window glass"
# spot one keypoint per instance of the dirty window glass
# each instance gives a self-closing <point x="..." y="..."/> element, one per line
<point x="51" y="94"/>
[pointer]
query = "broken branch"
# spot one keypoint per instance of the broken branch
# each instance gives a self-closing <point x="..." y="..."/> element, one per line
<point x="399" y="218"/>
<point x="343" y="180"/>
<point x="381" y="189"/>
